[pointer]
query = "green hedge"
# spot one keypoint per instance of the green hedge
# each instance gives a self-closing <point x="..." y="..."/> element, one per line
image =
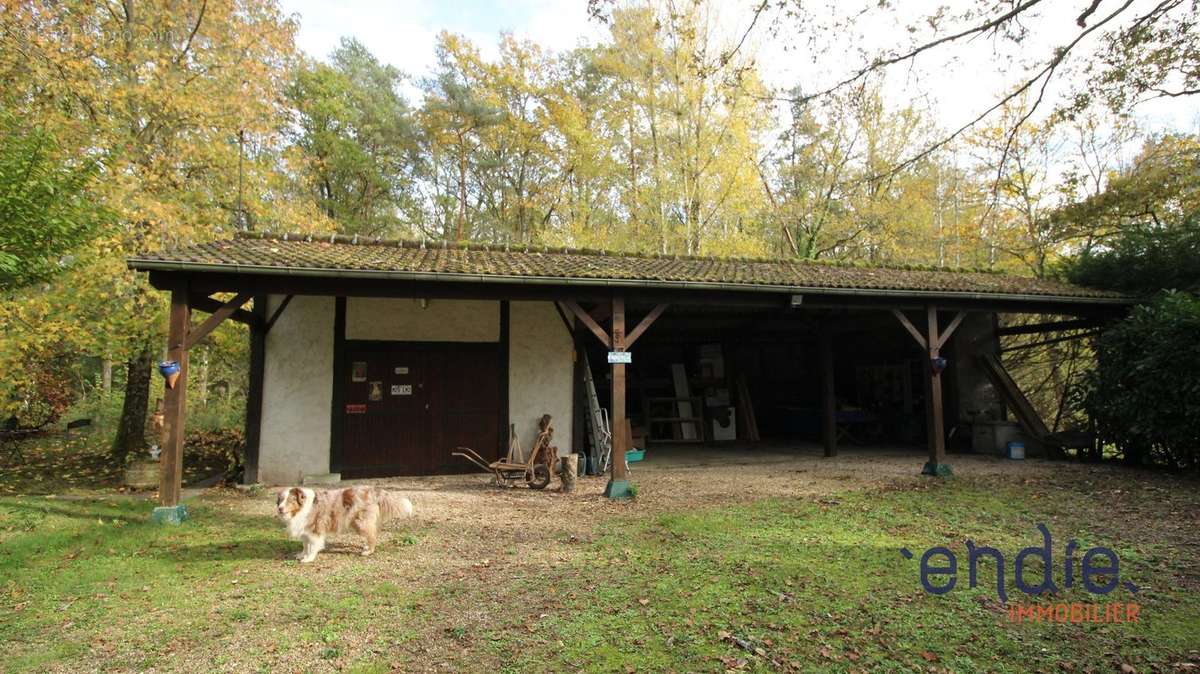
<point x="1144" y="394"/>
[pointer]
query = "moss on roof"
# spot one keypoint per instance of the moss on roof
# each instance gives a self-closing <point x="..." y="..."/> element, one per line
<point x="339" y="255"/>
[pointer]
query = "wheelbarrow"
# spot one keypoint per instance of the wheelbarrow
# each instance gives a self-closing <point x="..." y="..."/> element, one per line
<point x="534" y="469"/>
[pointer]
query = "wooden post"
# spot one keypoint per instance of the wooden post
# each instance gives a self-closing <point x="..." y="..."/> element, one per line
<point x="175" y="408"/>
<point x="254" y="394"/>
<point x="931" y="343"/>
<point x="618" y="484"/>
<point x="936" y="426"/>
<point x="828" y="395"/>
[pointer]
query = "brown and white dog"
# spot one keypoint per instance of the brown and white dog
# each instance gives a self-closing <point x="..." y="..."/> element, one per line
<point x="311" y="515"/>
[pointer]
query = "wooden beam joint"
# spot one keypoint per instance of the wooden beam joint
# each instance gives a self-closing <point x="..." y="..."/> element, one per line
<point x="912" y="330"/>
<point x="210" y="305"/>
<point x="645" y="324"/>
<point x="591" y="324"/>
<point x="275" y="315"/>
<point x="194" y="335"/>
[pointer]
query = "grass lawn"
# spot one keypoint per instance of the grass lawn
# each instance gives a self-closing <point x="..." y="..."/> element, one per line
<point x="811" y="582"/>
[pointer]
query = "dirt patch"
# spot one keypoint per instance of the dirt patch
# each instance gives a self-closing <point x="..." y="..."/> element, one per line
<point x="464" y="521"/>
<point x="497" y="545"/>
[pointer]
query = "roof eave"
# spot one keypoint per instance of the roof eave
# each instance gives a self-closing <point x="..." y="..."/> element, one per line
<point x="148" y="264"/>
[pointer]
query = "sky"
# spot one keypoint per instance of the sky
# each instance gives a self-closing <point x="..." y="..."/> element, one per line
<point x="955" y="85"/>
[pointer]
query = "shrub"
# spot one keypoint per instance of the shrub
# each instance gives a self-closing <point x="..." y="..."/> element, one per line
<point x="1144" y="394"/>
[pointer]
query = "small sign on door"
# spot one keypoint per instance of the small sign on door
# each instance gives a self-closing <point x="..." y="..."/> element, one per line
<point x="623" y="357"/>
<point x="376" y="393"/>
<point x="401" y="389"/>
<point x="401" y="369"/>
<point x="358" y="371"/>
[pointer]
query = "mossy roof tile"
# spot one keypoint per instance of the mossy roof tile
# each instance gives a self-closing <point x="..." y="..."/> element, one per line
<point x="339" y="255"/>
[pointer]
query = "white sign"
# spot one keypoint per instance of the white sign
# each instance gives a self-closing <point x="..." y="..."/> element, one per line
<point x="401" y="370"/>
<point x="401" y="389"/>
<point x="615" y="357"/>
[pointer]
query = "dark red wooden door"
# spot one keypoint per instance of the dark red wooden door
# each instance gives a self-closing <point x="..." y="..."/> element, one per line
<point x="466" y="404"/>
<point x="408" y="405"/>
<point x="387" y="418"/>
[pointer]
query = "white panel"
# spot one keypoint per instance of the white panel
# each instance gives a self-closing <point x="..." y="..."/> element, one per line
<point x="410" y="320"/>
<point x="541" y="368"/>
<point x="297" y="391"/>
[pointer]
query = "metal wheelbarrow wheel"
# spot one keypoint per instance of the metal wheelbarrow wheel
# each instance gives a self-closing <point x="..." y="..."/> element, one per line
<point x="539" y="476"/>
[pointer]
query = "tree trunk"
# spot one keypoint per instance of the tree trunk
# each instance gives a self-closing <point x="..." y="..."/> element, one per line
<point x="131" y="431"/>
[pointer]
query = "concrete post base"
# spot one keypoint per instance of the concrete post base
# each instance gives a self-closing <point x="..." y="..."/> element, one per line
<point x="937" y="469"/>
<point x="618" y="490"/>
<point x="169" y="514"/>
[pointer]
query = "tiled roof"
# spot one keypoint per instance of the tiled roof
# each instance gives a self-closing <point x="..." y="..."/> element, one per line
<point x="343" y="256"/>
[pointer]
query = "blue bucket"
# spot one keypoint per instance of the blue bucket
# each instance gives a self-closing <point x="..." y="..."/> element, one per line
<point x="1016" y="450"/>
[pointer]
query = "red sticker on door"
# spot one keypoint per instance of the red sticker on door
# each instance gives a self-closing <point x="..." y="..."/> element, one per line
<point x="356" y="409"/>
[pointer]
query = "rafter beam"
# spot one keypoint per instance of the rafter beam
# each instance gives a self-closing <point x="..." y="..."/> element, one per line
<point x="275" y="315"/>
<point x="645" y="324"/>
<point x="563" y="315"/>
<point x="218" y="317"/>
<point x="912" y="330"/>
<point x="210" y="305"/>
<point x="1055" y="326"/>
<point x="945" y="336"/>
<point x="588" y="321"/>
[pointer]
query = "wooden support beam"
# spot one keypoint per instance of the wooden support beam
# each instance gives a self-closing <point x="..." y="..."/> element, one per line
<point x="276" y="314"/>
<point x="1056" y="326"/>
<point x="912" y="330"/>
<point x="218" y="317"/>
<point x="175" y="400"/>
<point x="828" y="395"/>
<point x="945" y="336"/>
<point x="254" y="393"/>
<point x="591" y="324"/>
<point x="618" y="484"/>
<point x="210" y="305"/>
<point x="645" y="324"/>
<point x="601" y="312"/>
<point x="936" y="428"/>
<point x="565" y="321"/>
<point x="1062" y="338"/>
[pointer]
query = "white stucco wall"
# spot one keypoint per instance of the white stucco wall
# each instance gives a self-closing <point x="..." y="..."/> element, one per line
<point x="298" y="373"/>
<point x="297" y="391"/>
<point x="439" y="321"/>
<point x="541" y="366"/>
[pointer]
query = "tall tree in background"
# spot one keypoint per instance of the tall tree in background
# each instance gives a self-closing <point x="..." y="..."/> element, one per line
<point x="354" y="144"/>
<point x="453" y="119"/>
<point x="45" y="208"/>
<point x="687" y="111"/>
<point x="164" y="93"/>
<point x="1118" y="54"/>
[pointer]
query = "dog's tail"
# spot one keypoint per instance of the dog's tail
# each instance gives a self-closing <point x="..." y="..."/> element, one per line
<point x="393" y="505"/>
